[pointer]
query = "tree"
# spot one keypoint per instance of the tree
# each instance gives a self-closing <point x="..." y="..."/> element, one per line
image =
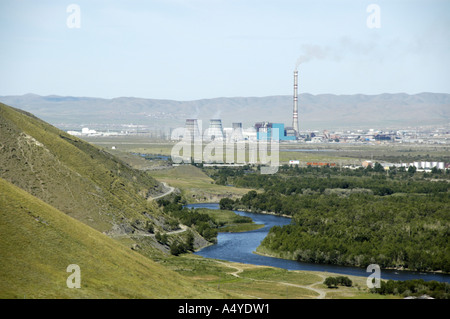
<point x="226" y="203"/>
<point x="378" y="168"/>
<point x="331" y="282"/>
<point x="412" y="170"/>
<point x="149" y="227"/>
<point x="436" y="170"/>
<point x="162" y="239"/>
<point x="177" y="248"/>
<point x="344" y="281"/>
<point x="190" y="241"/>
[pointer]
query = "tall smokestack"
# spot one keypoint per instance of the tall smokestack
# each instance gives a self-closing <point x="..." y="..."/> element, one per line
<point x="295" y="114"/>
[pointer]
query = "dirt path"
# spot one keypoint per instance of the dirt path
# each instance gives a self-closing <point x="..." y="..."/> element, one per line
<point x="322" y="293"/>
<point x="183" y="228"/>
<point x="170" y="191"/>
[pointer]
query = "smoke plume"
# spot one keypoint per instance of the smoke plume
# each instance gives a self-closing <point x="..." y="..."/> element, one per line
<point x="345" y="46"/>
<point x="311" y="52"/>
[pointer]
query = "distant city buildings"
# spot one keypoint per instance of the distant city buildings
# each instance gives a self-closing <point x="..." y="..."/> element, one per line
<point x="268" y="131"/>
<point x="420" y="165"/>
<point x="264" y="131"/>
<point x="85" y="131"/>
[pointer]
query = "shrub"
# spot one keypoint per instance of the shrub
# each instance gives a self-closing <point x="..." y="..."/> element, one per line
<point x="333" y="282"/>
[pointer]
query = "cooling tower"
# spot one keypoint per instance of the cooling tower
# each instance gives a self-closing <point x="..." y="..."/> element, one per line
<point x="191" y="129"/>
<point x="215" y="131"/>
<point x="237" y="133"/>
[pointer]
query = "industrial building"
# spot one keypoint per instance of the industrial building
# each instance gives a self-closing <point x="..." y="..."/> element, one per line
<point x="214" y="131"/>
<point x="191" y="129"/>
<point x="237" y="134"/>
<point x="265" y="131"/>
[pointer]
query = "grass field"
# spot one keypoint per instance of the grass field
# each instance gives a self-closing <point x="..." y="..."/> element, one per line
<point x="340" y="153"/>
<point x="195" y="185"/>
<point x="230" y="220"/>
<point x="355" y="153"/>
<point x="252" y="281"/>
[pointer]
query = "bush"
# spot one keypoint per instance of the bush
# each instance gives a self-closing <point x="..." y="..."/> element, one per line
<point x="226" y="203"/>
<point x="177" y="248"/>
<point x="344" y="281"/>
<point x="333" y="282"/>
<point x="162" y="238"/>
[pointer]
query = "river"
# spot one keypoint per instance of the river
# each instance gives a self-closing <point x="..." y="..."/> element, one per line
<point x="240" y="247"/>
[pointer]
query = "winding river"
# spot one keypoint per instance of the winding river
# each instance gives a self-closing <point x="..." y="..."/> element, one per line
<point x="240" y="247"/>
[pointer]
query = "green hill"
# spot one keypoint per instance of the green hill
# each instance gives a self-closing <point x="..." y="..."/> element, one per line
<point x="38" y="242"/>
<point x="73" y="176"/>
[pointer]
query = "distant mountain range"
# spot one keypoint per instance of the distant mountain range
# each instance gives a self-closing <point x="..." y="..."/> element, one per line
<point x="323" y="111"/>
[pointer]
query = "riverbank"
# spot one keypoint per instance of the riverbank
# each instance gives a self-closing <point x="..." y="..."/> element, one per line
<point x="243" y="209"/>
<point x="241" y="247"/>
<point x="263" y="251"/>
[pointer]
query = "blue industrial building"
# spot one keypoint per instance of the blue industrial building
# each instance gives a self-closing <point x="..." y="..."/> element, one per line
<point x="272" y="131"/>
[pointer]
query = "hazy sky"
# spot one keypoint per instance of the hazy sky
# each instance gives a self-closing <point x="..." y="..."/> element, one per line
<point x="193" y="49"/>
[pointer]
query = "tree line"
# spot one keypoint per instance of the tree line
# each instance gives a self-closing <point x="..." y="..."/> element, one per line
<point x="415" y="288"/>
<point x="400" y="222"/>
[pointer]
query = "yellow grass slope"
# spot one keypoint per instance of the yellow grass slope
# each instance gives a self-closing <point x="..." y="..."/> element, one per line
<point x="38" y="242"/>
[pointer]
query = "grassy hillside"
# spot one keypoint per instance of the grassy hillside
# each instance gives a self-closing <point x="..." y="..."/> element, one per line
<point x="38" y="242"/>
<point x="71" y="175"/>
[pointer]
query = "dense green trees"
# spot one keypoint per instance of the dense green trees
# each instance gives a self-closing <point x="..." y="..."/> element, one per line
<point x="353" y="217"/>
<point x="415" y="287"/>
<point x="403" y="231"/>
<point x="378" y="184"/>
<point x="333" y="282"/>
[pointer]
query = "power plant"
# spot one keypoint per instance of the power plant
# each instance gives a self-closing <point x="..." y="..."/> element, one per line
<point x="261" y="131"/>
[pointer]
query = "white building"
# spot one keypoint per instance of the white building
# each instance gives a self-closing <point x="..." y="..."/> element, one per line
<point x="87" y="131"/>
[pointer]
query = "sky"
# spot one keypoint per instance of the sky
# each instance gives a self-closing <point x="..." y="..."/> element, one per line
<point x="196" y="49"/>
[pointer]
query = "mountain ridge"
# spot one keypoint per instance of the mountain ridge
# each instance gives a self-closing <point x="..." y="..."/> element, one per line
<point x="318" y="111"/>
